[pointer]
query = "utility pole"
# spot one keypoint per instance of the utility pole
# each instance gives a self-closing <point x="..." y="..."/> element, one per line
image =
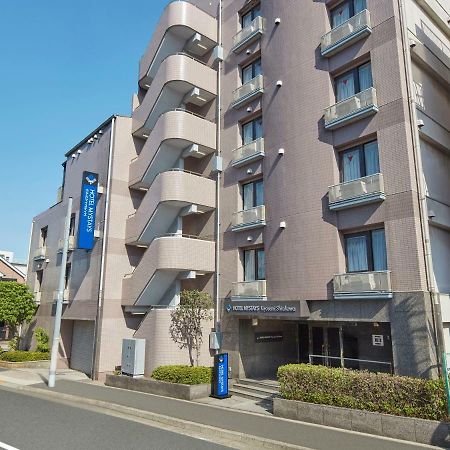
<point x="59" y="300"/>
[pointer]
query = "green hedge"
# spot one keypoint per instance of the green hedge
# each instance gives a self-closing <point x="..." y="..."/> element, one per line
<point x="183" y="374"/>
<point x="384" y="393"/>
<point x="21" y="356"/>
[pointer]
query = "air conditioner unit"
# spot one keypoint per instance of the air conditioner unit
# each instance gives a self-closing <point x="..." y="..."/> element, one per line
<point x="133" y="357"/>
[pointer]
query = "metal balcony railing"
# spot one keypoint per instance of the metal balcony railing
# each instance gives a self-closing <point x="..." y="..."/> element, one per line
<point x="250" y="289"/>
<point x="376" y="284"/>
<point x="71" y="244"/>
<point x="248" y="152"/>
<point x="66" y="295"/>
<point x="345" y="34"/>
<point x="351" y="363"/>
<point x="249" y="218"/>
<point x="248" y="34"/>
<point x="360" y="191"/>
<point x="248" y="91"/>
<point x="40" y="252"/>
<point x="356" y="107"/>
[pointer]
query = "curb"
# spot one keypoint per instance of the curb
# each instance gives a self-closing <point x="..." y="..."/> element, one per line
<point x="231" y="439"/>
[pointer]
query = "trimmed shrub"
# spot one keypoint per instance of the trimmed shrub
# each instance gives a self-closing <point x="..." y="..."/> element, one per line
<point x="21" y="356"/>
<point x="378" y="392"/>
<point x="42" y="340"/>
<point x="183" y="374"/>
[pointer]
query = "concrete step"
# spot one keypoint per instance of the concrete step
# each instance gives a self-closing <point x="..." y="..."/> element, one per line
<point x="271" y="384"/>
<point x="267" y="391"/>
<point x="250" y="395"/>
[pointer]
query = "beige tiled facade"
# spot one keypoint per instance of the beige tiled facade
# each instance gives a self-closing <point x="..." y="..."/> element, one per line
<point x="161" y="221"/>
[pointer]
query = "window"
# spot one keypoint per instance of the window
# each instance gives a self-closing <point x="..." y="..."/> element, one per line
<point x="72" y="225"/>
<point x="67" y="275"/>
<point x="366" y="251"/>
<point x="248" y="17"/>
<point x="353" y="82"/>
<point x="361" y="161"/>
<point x="345" y="10"/>
<point x="251" y="71"/>
<point x="252" y="130"/>
<point x="44" y="233"/>
<point x="253" y="194"/>
<point x="254" y="265"/>
<point x="39" y="278"/>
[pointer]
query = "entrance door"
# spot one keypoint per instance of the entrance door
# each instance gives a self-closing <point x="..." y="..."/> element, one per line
<point x="325" y="346"/>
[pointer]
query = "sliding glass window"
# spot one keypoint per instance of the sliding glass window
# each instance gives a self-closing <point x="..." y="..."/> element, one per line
<point x="354" y="81"/>
<point x="345" y="10"/>
<point x="361" y="161"/>
<point x="253" y="194"/>
<point x="252" y="130"/>
<point x="248" y="17"/>
<point x="254" y="265"/>
<point x="366" y="251"/>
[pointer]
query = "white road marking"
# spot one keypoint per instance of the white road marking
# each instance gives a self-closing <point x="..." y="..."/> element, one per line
<point x="7" y="447"/>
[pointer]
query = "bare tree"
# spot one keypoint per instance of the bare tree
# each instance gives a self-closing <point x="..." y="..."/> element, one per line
<point x="186" y="321"/>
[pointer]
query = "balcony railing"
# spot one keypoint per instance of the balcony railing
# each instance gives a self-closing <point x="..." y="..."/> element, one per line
<point x="66" y="295"/>
<point x="364" y="190"/>
<point x="363" y="285"/>
<point x="37" y="297"/>
<point x="71" y="244"/>
<point x="249" y="218"/>
<point x="354" y="108"/>
<point x="248" y="91"/>
<point x="40" y="253"/>
<point x="248" y="34"/>
<point x="249" y="289"/>
<point x="349" y="32"/>
<point x="248" y="153"/>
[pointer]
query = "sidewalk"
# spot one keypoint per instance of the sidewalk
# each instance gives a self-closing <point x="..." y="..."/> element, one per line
<point x="260" y="425"/>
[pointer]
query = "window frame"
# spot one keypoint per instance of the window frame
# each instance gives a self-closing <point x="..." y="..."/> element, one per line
<point x="355" y="72"/>
<point x="253" y="66"/>
<point x="362" y="159"/>
<point x="252" y="11"/>
<point x="369" y="249"/>
<point x="253" y="122"/>
<point x="257" y="251"/>
<point x="351" y="4"/>
<point x="254" y="183"/>
<point x="43" y="236"/>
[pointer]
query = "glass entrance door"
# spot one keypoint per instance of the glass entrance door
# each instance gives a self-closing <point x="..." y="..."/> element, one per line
<point x="325" y="347"/>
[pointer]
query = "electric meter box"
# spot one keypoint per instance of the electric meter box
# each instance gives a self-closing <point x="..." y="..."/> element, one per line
<point x="133" y="357"/>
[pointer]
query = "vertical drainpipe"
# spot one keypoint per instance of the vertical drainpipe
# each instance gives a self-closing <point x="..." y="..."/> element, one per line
<point x="99" y="314"/>
<point x="418" y="167"/>
<point x="218" y="181"/>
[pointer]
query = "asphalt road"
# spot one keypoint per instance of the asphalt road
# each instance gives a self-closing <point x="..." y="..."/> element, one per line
<point x="30" y="423"/>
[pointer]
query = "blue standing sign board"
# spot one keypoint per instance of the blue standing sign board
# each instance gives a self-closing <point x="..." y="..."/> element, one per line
<point x="220" y="388"/>
<point x="88" y="207"/>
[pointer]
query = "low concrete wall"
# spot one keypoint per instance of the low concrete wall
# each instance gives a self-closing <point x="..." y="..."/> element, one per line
<point x="183" y="391"/>
<point x="429" y="432"/>
<point x="44" y="364"/>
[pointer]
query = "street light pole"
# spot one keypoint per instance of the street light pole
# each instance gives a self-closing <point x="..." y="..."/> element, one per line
<point x="59" y="300"/>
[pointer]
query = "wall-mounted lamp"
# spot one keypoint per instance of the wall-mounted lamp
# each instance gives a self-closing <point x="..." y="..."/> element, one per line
<point x="283" y="225"/>
<point x="279" y="83"/>
<point x="254" y="322"/>
<point x="249" y="109"/>
<point x="281" y="151"/>
<point x="249" y="171"/>
<point x="277" y="21"/>
<point x="420" y="123"/>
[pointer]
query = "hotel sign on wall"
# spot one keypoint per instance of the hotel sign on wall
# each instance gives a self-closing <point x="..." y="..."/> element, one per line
<point x="88" y="207"/>
<point x="267" y="308"/>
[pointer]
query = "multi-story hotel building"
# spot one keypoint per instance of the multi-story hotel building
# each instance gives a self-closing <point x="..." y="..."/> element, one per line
<point x="290" y="157"/>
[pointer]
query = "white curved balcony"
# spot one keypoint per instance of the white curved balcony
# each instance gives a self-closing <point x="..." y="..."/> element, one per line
<point x="174" y="193"/>
<point x="361" y="191"/>
<point x="182" y="27"/>
<point x="181" y="80"/>
<point x="346" y="34"/>
<point x="176" y="134"/>
<point x="363" y="285"/>
<point x="347" y="111"/>
<point x="249" y="290"/>
<point x="249" y="218"/>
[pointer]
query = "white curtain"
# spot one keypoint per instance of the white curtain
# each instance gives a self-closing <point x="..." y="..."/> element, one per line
<point x="379" y="250"/>
<point x="360" y="5"/>
<point x="351" y="165"/>
<point x="345" y="87"/>
<point x="259" y="186"/>
<point x="248" y="196"/>
<point x="371" y="158"/>
<point x="357" y="254"/>
<point x="247" y="133"/>
<point x="249" y="265"/>
<point x="261" y="265"/>
<point x="365" y="77"/>
<point x="258" y="128"/>
<point x="340" y="14"/>
<point x="247" y="74"/>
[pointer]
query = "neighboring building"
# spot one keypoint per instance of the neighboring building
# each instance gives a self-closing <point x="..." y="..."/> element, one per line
<point x="9" y="271"/>
<point x="352" y="95"/>
<point x="7" y="255"/>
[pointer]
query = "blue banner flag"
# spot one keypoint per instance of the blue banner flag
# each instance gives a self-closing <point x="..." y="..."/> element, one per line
<point x="88" y="207"/>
